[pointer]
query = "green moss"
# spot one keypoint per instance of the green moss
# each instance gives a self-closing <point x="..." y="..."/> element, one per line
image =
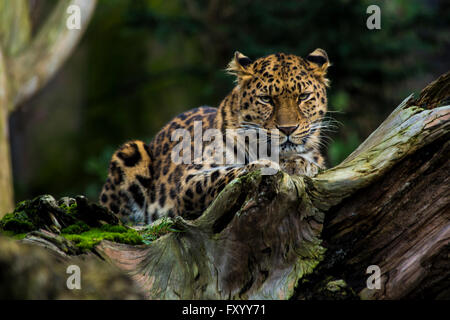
<point x="30" y="215"/>
<point x="71" y="209"/>
<point x="17" y="222"/>
<point x="23" y="205"/>
<point x="88" y="239"/>
<point x="157" y="229"/>
<point x="336" y="285"/>
<point x="24" y="218"/>
<point x="76" y="228"/>
<point x="249" y="177"/>
<point x="115" y="229"/>
<point x="79" y="227"/>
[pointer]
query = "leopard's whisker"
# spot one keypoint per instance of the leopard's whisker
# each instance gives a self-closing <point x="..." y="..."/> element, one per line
<point x="335" y="111"/>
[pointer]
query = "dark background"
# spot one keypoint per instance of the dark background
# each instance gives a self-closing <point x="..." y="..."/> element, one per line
<point x="141" y="62"/>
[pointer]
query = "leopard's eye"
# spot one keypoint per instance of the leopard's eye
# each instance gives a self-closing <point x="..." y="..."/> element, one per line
<point x="265" y="99"/>
<point x="304" y="96"/>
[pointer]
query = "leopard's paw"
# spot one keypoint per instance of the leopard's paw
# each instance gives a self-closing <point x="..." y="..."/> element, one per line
<point x="268" y="167"/>
<point x="299" y="166"/>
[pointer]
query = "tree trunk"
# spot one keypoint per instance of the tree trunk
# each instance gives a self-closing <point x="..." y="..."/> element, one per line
<point x="26" y="65"/>
<point x="281" y="236"/>
<point x="6" y="185"/>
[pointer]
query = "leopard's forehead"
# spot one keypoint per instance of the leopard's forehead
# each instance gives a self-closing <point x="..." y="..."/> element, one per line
<point x="279" y="64"/>
<point x="282" y="74"/>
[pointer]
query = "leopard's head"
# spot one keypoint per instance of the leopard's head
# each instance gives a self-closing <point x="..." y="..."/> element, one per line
<point x="284" y="92"/>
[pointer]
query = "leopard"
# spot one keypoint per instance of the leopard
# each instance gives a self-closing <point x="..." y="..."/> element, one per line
<point x="280" y="93"/>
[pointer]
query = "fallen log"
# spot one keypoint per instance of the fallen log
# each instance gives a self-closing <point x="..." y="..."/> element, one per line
<point x="294" y="237"/>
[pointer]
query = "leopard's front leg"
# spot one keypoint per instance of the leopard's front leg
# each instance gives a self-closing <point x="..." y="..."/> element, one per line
<point x="199" y="186"/>
<point x="302" y="164"/>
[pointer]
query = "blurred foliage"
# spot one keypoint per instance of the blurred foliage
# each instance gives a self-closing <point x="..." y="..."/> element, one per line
<point x="141" y="62"/>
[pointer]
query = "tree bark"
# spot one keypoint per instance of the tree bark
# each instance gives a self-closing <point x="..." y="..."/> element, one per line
<point x="6" y="185"/>
<point x="281" y="236"/>
<point x="26" y="65"/>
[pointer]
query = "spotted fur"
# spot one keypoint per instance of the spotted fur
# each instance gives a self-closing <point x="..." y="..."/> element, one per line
<point x="279" y="91"/>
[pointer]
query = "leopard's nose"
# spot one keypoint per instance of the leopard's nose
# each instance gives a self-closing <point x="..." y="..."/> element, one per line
<point x="287" y="130"/>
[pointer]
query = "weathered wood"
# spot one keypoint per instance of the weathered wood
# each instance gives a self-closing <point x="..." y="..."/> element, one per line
<point x="256" y="239"/>
<point x="401" y="223"/>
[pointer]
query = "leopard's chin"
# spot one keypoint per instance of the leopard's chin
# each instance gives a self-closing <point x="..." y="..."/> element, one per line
<point x="289" y="149"/>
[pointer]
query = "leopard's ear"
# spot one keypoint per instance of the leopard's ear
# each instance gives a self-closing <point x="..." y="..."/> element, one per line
<point x="319" y="63"/>
<point x="240" y="66"/>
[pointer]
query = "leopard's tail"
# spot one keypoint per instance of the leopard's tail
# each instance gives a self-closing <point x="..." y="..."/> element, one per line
<point x="127" y="188"/>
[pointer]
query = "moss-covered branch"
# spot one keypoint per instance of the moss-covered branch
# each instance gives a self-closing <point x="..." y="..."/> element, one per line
<point x="73" y="225"/>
